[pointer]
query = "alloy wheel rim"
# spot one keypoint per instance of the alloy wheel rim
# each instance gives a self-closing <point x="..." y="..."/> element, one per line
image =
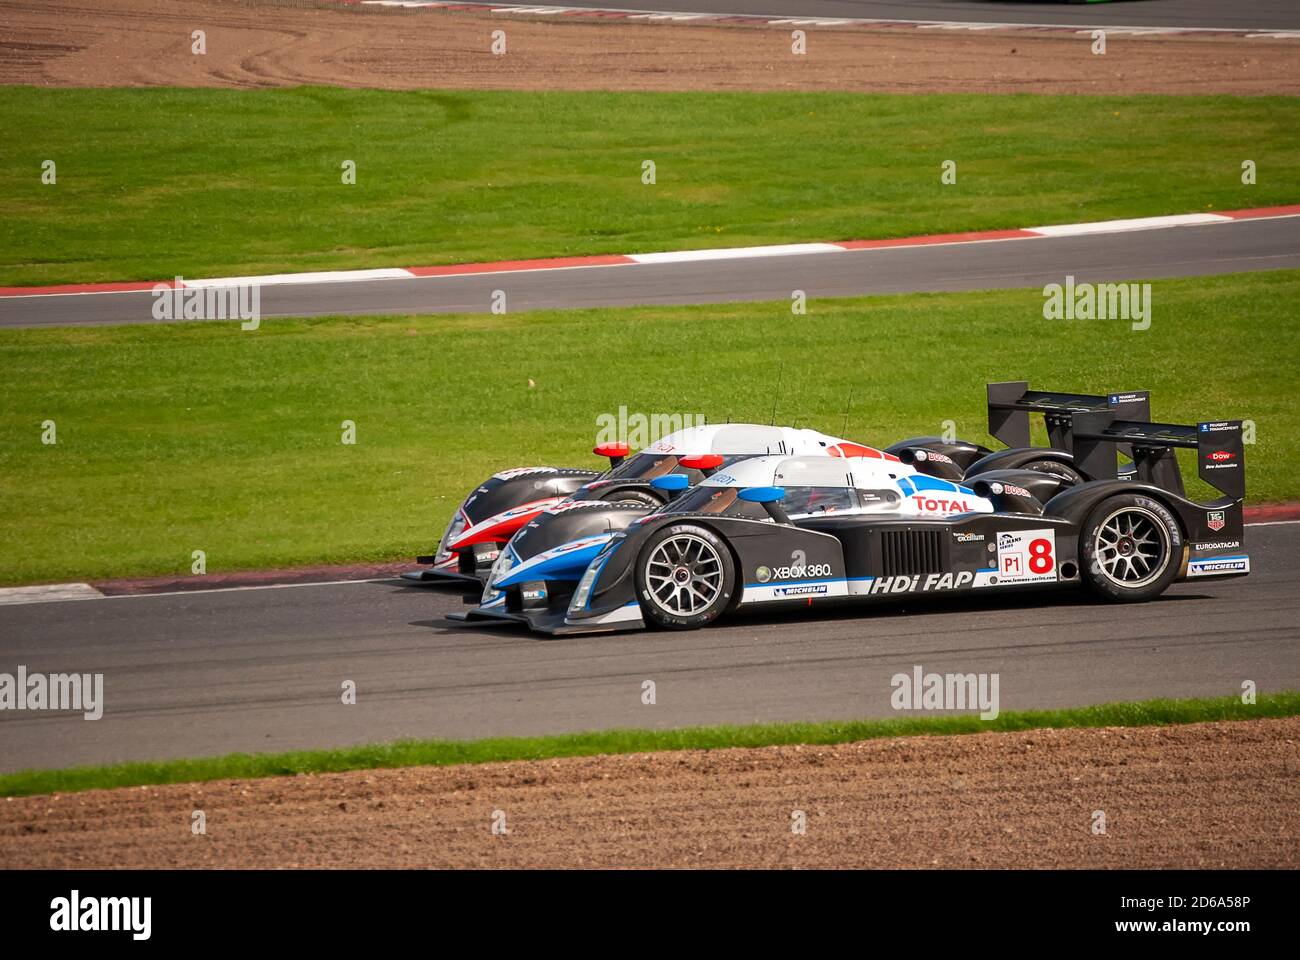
<point x="1132" y="547"/>
<point x="684" y="575"/>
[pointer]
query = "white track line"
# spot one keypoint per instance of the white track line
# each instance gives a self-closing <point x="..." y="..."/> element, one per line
<point x="173" y="593"/>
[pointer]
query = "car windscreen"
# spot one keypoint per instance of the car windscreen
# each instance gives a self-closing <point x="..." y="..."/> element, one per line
<point x="647" y="465"/>
<point x="643" y="466"/>
<point x="816" y="501"/>
<point x="798" y="502"/>
<point x="721" y="501"/>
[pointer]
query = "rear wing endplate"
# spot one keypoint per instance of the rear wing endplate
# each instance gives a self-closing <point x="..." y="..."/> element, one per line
<point x="1010" y="405"/>
<point x="1220" y="454"/>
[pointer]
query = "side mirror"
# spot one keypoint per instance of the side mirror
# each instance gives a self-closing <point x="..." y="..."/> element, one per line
<point x="762" y="494"/>
<point x="705" y="462"/>
<point x="671" y="483"/>
<point x="770" y="498"/>
<point x="615" y="451"/>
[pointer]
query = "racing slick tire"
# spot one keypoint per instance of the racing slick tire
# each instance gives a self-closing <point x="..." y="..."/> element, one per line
<point x="685" y="577"/>
<point x="1130" y="548"/>
<point x="634" y="496"/>
<point x="1057" y="467"/>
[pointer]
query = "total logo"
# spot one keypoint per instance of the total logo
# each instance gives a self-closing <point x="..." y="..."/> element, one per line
<point x="936" y="505"/>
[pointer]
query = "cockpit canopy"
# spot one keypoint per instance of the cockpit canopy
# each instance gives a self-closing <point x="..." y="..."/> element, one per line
<point x="819" y="486"/>
<point x="732" y="441"/>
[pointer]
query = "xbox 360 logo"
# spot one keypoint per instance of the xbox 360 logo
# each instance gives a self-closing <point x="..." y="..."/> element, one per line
<point x="764" y="574"/>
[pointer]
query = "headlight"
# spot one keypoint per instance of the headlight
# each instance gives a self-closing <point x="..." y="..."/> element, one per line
<point x="458" y="524"/>
<point x="583" y="593"/>
<point x="504" y="561"/>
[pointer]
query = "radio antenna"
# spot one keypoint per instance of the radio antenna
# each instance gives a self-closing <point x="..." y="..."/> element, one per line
<point x="847" y="407"/>
<point x="780" y="371"/>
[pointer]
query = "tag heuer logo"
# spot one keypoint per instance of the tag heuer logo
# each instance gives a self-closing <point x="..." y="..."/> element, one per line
<point x="1214" y="520"/>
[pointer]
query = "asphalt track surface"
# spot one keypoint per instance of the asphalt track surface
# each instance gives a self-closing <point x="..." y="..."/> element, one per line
<point x="1215" y="248"/>
<point x="1249" y="14"/>
<point x="205" y="673"/>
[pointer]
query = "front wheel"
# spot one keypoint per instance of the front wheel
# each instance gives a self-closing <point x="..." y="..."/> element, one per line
<point x="685" y="577"/>
<point x="643" y="497"/>
<point x="1129" y="548"/>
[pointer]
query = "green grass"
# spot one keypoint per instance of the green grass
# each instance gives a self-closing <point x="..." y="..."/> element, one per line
<point x="158" y="182"/>
<point x="178" y="437"/>
<point x="412" y="753"/>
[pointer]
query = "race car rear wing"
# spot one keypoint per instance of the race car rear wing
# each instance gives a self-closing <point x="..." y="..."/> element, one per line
<point x="1010" y="405"/>
<point x="1220" y="454"/>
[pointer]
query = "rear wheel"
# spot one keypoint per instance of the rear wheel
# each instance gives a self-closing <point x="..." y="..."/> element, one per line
<point x="1057" y="467"/>
<point x="1129" y="548"/>
<point x="685" y="577"/>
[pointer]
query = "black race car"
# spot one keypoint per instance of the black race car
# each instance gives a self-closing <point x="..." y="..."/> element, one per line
<point x="863" y="531"/>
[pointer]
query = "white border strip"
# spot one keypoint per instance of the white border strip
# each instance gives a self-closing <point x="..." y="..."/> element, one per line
<point x="777" y="19"/>
<point x="319" y="276"/>
<point x="48" y="593"/>
<point x="737" y="253"/>
<point x="687" y="256"/>
<point x="1125" y="226"/>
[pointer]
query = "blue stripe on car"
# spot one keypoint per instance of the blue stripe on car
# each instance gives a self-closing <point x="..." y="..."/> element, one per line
<point x="567" y="566"/>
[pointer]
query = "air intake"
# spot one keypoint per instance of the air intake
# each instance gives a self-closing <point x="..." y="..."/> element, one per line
<point x="910" y="552"/>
